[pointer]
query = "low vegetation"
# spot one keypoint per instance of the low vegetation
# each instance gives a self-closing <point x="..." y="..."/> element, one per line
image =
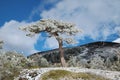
<point x="67" y="75"/>
<point x="11" y="63"/>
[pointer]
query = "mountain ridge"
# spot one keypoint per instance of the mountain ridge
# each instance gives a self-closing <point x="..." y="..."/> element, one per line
<point x="97" y="55"/>
<point x="99" y="43"/>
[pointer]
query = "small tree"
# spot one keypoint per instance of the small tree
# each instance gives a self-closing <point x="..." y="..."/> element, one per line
<point x="54" y="28"/>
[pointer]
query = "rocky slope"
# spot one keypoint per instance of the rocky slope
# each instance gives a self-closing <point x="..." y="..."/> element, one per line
<point x="97" y="55"/>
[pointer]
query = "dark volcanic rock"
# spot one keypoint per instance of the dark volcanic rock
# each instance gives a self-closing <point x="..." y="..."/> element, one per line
<point x="100" y="55"/>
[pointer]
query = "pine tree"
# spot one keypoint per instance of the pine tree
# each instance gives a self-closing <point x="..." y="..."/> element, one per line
<point x="58" y="29"/>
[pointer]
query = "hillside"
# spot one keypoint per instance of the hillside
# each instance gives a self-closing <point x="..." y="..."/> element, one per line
<point x="103" y="56"/>
<point x="98" y="55"/>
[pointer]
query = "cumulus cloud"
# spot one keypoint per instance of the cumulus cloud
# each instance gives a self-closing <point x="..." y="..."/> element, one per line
<point x="97" y="18"/>
<point x="43" y="4"/>
<point x="15" y="39"/>
<point x="117" y="29"/>
<point x="117" y="40"/>
<point x="51" y="43"/>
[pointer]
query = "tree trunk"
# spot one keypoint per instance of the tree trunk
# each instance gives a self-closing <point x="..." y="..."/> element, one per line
<point x="62" y="59"/>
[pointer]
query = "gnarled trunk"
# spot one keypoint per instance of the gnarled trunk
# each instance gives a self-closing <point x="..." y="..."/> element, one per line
<point x="63" y="62"/>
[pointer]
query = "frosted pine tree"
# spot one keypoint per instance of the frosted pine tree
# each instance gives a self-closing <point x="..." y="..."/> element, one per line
<point x="58" y="29"/>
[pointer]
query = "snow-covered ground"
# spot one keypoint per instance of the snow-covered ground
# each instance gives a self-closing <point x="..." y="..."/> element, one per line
<point x="35" y="74"/>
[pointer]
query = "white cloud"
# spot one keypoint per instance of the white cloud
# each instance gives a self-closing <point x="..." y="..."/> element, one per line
<point x="92" y="16"/>
<point x="41" y="7"/>
<point x="16" y="39"/>
<point x="117" y="40"/>
<point x="117" y="29"/>
<point x="51" y="43"/>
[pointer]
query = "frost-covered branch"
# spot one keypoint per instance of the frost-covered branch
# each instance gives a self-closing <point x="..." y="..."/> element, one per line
<point x="53" y="27"/>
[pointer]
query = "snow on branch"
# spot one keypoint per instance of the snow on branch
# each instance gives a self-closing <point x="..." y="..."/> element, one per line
<point x="53" y="27"/>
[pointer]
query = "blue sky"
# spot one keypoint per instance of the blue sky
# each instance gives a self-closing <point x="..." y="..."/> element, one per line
<point x="16" y="9"/>
<point x="23" y="9"/>
<point x="98" y="19"/>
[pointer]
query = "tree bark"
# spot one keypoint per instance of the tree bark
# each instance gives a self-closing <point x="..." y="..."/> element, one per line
<point x="62" y="59"/>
